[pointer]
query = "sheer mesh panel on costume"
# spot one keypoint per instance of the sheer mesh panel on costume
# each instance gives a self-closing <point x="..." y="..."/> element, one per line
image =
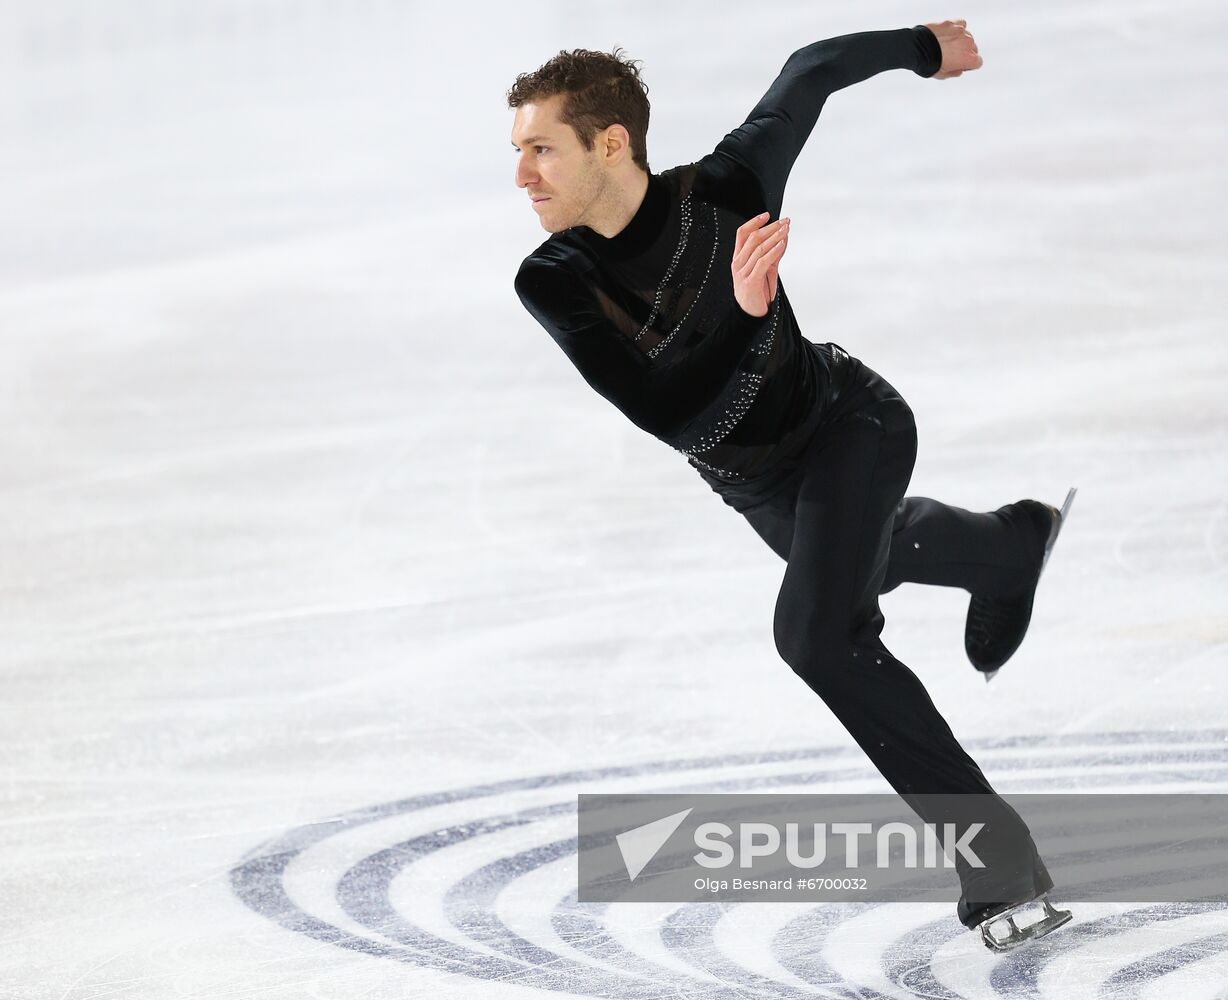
<point x="666" y="318"/>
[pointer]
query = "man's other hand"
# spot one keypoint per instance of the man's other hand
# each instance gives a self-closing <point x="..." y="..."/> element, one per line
<point x="757" y="250"/>
<point x="959" y="51"/>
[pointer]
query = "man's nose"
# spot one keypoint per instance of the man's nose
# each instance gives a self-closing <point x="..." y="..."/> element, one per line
<point x="524" y="175"/>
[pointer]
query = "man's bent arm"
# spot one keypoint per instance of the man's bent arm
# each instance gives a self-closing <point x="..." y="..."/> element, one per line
<point x="660" y="398"/>
<point x="778" y="126"/>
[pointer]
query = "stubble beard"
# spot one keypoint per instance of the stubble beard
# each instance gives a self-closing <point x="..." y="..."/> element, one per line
<point x="592" y="197"/>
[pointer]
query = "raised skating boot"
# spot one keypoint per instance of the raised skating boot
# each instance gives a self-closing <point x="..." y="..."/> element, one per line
<point x="996" y="626"/>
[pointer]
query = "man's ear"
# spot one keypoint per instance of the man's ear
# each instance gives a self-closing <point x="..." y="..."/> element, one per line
<point x="617" y="139"/>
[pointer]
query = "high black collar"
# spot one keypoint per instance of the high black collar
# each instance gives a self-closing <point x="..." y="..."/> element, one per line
<point x="642" y="231"/>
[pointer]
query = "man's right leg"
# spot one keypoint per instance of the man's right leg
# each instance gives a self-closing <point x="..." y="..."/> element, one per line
<point x="828" y="626"/>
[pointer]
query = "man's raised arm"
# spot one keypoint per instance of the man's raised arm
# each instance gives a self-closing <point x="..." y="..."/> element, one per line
<point x="772" y="136"/>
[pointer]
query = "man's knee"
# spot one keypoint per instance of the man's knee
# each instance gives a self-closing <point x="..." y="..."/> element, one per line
<point x="818" y="647"/>
<point x="903" y="552"/>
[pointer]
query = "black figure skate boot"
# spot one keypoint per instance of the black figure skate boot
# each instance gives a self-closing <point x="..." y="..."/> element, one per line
<point x="996" y="626"/>
<point x="1006" y="925"/>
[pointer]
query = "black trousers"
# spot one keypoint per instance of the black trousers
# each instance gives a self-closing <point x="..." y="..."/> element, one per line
<point x="848" y="533"/>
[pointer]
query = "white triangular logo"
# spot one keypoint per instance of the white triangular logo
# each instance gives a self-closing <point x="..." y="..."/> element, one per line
<point x="640" y="845"/>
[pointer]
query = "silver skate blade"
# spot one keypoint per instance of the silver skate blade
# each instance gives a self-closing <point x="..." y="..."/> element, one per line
<point x="1050" y="920"/>
<point x="990" y="674"/>
<point x="1061" y="520"/>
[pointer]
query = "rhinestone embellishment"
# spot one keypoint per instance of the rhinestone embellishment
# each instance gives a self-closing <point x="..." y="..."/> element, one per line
<point x="698" y="292"/>
<point x="683" y="236"/>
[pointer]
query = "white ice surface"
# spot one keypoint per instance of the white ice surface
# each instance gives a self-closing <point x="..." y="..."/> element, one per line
<point x="301" y="513"/>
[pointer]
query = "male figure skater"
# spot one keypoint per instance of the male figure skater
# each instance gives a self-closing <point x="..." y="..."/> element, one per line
<point x="663" y="291"/>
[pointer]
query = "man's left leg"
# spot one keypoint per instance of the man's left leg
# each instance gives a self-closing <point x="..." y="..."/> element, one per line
<point x="996" y="556"/>
<point x="990" y="554"/>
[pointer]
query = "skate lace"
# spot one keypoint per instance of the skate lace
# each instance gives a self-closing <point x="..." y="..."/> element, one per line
<point x="989" y="617"/>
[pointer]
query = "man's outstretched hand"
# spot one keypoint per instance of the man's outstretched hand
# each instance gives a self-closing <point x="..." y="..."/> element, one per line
<point x="757" y="250"/>
<point x="959" y="51"/>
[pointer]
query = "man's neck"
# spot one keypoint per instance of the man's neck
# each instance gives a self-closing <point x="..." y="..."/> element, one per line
<point x="625" y="204"/>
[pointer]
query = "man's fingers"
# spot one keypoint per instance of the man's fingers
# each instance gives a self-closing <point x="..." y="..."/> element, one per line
<point x="767" y="260"/>
<point x="754" y="238"/>
<point x="756" y="225"/>
<point x="746" y="267"/>
<point x="744" y="230"/>
<point x="778" y="238"/>
<point x="750" y="224"/>
<point x="766" y="270"/>
<point x="754" y="243"/>
<point x="960" y="52"/>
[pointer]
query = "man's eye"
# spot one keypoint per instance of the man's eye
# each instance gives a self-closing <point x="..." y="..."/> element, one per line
<point x="541" y="149"/>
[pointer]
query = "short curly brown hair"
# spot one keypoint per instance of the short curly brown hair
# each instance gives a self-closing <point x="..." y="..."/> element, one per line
<point x="601" y="89"/>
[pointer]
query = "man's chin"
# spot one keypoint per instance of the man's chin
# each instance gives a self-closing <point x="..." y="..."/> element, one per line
<point x="553" y="225"/>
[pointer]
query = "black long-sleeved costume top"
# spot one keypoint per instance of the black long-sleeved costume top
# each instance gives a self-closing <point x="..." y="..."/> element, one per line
<point x="649" y="317"/>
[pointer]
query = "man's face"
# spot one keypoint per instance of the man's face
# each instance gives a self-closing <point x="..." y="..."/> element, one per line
<point x="563" y="179"/>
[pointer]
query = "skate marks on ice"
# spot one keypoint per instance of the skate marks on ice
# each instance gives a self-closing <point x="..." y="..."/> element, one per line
<point x="480" y="881"/>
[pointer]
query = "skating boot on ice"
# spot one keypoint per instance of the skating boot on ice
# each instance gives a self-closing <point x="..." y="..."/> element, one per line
<point x="1004" y="926"/>
<point x="996" y="626"/>
<point x="1014" y="925"/>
